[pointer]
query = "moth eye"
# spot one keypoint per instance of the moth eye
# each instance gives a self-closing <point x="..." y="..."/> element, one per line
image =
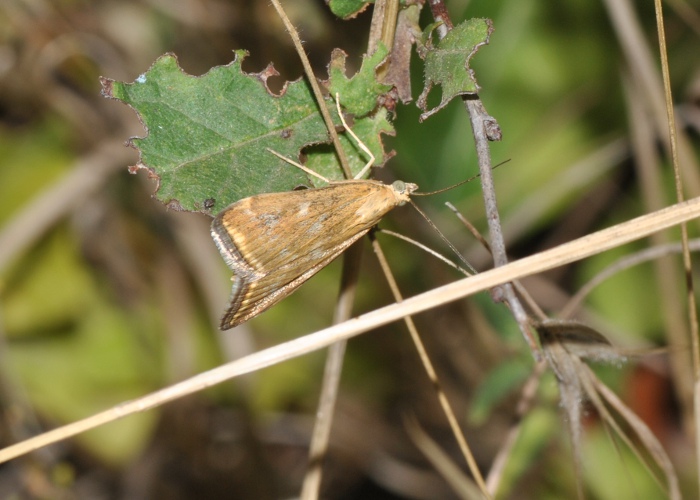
<point x="399" y="186"/>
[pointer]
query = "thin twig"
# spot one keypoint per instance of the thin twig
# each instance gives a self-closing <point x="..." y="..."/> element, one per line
<point x="647" y="437"/>
<point x="678" y="181"/>
<point x="432" y="374"/>
<point x="649" y="165"/>
<point x="485" y="128"/>
<point x="529" y="300"/>
<point x="336" y="352"/>
<point x="626" y="262"/>
<point x="464" y="486"/>
<point x="331" y="376"/>
<point x="345" y="165"/>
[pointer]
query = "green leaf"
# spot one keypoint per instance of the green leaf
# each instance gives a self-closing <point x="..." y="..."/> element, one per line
<point x="358" y="94"/>
<point x="347" y="9"/>
<point x="447" y="63"/>
<point x="208" y="136"/>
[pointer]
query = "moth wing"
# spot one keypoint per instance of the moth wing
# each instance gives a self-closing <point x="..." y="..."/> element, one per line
<point x="275" y="242"/>
<point x="250" y="298"/>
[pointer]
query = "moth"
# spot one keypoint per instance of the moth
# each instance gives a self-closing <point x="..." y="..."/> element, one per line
<point x="274" y="242"/>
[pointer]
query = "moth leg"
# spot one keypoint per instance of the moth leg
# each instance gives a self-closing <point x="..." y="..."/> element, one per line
<point x="361" y="144"/>
<point x="299" y="165"/>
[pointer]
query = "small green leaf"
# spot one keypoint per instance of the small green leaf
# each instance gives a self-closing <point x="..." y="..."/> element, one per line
<point x="447" y="63"/>
<point x="358" y="94"/>
<point x="347" y="9"/>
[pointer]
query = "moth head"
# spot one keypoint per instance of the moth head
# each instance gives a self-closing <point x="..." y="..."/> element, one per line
<point x="403" y="190"/>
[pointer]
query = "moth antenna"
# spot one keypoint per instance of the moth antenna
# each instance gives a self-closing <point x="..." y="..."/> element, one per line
<point x="360" y="144"/>
<point x="426" y="249"/>
<point x="444" y="238"/>
<point x="459" y="183"/>
<point x="299" y="165"/>
<point x="447" y="188"/>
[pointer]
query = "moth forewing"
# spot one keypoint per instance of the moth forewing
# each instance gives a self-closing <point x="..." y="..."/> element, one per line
<point x="275" y="242"/>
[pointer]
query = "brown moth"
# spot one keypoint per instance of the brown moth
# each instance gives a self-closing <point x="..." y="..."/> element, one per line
<point x="275" y="242"/>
